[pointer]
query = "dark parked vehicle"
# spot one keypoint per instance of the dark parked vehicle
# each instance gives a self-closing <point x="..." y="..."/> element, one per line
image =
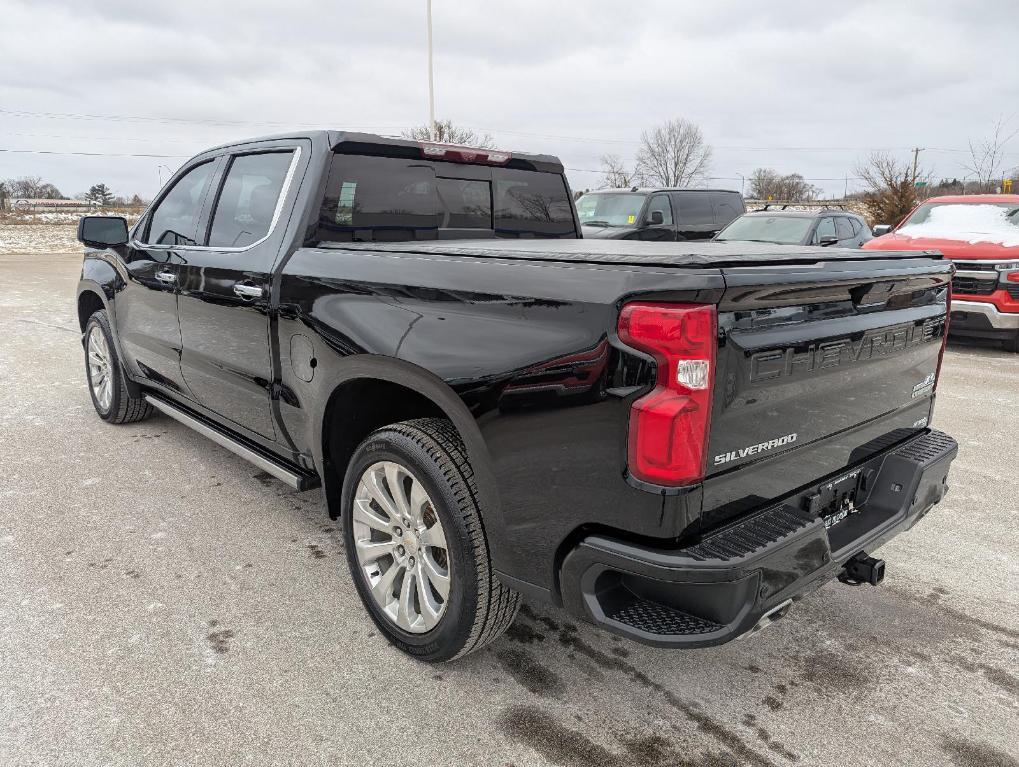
<point x="799" y="227"/>
<point x="674" y="441"/>
<point x="657" y="214"/>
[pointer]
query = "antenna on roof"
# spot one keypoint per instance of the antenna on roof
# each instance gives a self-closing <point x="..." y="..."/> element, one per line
<point x="633" y="189"/>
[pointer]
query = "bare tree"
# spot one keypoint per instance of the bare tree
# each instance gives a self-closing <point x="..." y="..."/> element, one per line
<point x="767" y="184"/>
<point x="615" y="174"/>
<point x="33" y="188"/>
<point x="891" y="187"/>
<point x="447" y="133"/>
<point x="986" y="156"/>
<point x="673" y="154"/>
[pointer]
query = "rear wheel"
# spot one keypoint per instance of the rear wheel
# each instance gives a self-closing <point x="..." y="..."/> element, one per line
<point x="1012" y="344"/>
<point x="106" y="383"/>
<point x="416" y="544"/>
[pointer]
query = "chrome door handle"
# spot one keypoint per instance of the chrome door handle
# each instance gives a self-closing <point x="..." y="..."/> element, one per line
<point x="167" y="278"/>
<point x="248" y="291"/>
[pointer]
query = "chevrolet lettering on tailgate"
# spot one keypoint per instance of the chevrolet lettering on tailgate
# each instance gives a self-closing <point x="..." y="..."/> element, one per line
<point x="778" y="363"/>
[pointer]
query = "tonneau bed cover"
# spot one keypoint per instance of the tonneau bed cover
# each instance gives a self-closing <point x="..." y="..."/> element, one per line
<point x="632" y="252"/>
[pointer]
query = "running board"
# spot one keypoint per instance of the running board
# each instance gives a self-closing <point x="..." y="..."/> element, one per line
<point x="296" y="479"/>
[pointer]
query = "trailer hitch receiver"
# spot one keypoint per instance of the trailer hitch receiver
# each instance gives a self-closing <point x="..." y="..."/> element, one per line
<point x="863" y="569"/>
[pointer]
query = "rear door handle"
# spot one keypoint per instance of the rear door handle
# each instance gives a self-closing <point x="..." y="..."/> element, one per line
<point x="248" y="291"/>
<point x="167" y="278"/>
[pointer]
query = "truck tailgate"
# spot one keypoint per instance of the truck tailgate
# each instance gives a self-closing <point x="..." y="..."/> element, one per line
<point x="819" y="366"/>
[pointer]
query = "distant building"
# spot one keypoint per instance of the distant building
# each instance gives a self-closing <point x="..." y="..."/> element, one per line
<point x="26" y="204"/>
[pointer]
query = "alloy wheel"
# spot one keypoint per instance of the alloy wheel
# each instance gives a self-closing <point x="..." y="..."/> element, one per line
<point x="99" y="372"/>
<point x="401" y="547"/>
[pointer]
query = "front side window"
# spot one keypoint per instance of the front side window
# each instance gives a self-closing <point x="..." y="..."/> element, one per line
<point x="844" y="228"/>
<point x="660" y="203"/>
<point x="247" y="203"/>
<point x="826" y="228"/>
<point x="175" y="218"/>
<point x="695" y="209"/>
<point x="610" y="208"/>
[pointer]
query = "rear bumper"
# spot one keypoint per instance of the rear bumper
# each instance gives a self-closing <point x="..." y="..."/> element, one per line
<point x="732" y="579"/>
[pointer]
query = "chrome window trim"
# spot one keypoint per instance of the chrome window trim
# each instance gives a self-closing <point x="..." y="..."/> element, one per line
<point x="284" y="191"/>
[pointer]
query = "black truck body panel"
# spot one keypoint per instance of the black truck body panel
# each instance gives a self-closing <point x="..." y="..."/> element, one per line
<point x="515" y="342"/>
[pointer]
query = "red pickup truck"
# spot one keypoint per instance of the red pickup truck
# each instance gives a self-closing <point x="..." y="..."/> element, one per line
<point x="980" y="233"/>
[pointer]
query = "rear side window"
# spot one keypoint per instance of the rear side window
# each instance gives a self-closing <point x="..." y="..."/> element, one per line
<point x="727" y="208"/>
<point x="175" y="218"/>
<point x="844" y="228"/>
<point x="391" y="199"/>
<point x="247" y="203"/>
<point x="695" y="209"/>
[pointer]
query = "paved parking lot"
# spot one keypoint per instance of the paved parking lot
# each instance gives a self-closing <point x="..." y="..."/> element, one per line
<point x="164" y="602"/>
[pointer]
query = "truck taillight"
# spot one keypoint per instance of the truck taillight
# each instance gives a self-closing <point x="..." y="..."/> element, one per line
<point x="669" y="426"/>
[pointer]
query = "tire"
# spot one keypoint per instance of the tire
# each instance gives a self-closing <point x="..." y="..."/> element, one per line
<point x="1012" y="344"/>
<point x="422" y="456"/>
<point x="107" y="385"/>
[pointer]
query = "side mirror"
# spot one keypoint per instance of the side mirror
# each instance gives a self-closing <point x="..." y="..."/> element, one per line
<point x="824" y="242"/>
<point x="881" y="229"/>
<point x="102" y="231"/>
<point x="656" y="218"/>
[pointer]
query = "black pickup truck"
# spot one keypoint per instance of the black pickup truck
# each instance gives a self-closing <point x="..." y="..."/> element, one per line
<point x="674" y="441"/>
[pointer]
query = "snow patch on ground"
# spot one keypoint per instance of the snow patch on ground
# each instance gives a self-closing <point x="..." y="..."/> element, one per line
<point x="39" y="238"/>
<point x="967" y="223"/>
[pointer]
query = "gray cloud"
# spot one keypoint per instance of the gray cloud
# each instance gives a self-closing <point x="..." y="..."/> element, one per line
<point x="760" y="78"/>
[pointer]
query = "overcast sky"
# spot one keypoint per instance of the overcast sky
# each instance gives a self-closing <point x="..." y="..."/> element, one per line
<point x="802" y="87"/>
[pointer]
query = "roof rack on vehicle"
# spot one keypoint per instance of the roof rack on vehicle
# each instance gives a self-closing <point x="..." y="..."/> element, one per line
<point x="783" y="205"/>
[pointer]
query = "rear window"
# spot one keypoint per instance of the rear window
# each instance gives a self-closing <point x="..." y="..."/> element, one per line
<point x="389" y="199"/>
<point x="754" y="227"/>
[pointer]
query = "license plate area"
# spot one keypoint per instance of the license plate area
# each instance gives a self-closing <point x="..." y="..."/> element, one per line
<point x="837" y="500"/>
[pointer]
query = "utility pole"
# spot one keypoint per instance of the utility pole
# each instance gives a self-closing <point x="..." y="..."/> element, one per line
<point x="431" y="82"/>
<point x="916" y="151"/>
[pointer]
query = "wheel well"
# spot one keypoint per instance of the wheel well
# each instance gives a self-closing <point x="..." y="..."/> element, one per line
<point x="355" y="410"/>
<point x="88" y="304"/>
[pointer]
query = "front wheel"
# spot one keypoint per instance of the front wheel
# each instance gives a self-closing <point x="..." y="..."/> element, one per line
<point x="106" y="382"/>
<point x="416" y="544"/>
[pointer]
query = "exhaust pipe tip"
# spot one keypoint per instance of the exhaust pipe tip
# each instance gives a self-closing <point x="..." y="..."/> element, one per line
<point x="863" y="569"/>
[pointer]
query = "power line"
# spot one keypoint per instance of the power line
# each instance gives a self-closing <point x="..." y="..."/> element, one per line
<point x="175" y="120"/>
<point x="97" y="154"/>
<point x="502" y="131"/>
